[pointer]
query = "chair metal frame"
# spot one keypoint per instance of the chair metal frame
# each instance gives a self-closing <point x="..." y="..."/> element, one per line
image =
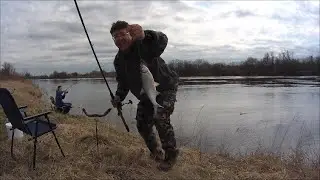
<point x="26" y="124"/>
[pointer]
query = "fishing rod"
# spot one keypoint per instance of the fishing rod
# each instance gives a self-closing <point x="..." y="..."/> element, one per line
<point x="69" y="87"/>
<point x="111" y="94"/>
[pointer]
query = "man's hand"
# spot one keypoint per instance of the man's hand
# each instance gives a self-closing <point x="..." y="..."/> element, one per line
<point x="116" y="101"/>
<point x="136" y="32"/>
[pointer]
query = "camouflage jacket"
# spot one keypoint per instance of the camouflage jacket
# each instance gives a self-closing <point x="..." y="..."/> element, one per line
<point x="127" y="65"/>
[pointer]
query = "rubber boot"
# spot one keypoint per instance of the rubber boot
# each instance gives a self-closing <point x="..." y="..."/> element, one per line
<point x="170" y="160"/>
<point x="157" y="155"/>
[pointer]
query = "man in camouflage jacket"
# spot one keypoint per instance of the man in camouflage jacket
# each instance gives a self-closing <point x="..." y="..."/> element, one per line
<point x="135" y="44"/>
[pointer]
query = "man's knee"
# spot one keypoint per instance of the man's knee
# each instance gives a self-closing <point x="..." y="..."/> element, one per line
<point x="144" y="122"/>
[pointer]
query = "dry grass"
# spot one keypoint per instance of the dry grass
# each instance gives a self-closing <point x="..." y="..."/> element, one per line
<point x="120" y="155"/>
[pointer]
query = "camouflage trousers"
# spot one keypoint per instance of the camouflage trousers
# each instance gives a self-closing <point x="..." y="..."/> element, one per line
<point x="145" y="121"/>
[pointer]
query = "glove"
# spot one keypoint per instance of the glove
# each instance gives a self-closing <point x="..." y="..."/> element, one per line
<point x="115" y="101"/>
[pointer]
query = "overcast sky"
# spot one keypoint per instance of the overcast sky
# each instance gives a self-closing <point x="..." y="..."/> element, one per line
<point x="43" y="36"/>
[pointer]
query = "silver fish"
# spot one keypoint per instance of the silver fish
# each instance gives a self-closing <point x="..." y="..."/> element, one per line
<point x="149" y="87"/>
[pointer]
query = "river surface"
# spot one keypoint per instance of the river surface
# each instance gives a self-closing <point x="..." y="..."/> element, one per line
<point x="232" y="114"/>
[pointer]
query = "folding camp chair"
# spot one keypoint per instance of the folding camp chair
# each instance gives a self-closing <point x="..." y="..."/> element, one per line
<point x="22" y="111"/>
<point x="34" y="126"/>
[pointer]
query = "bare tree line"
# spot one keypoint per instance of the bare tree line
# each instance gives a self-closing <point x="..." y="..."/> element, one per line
<point x="284" y="64"/>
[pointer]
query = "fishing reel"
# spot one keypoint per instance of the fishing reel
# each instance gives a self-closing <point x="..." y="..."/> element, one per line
<point x="122" y="104"/>
<point x="129" y="102"/>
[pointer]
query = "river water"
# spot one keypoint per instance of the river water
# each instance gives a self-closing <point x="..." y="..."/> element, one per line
<point x="220" y="113"/>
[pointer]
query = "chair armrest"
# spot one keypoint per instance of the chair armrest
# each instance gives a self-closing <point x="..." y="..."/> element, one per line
<point x="37" y="115"/>
<point x="22" y="107"/>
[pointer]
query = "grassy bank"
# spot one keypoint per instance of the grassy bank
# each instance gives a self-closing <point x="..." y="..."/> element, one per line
<point x="121" y="155"/>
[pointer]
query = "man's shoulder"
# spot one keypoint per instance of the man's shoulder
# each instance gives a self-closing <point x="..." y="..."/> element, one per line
<point x="150" y="34"/>
<point x="153" y="35"/>
<point x="148" y="31"/>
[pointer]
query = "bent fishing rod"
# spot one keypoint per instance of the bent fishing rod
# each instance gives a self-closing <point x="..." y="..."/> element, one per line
<point x="111" y="94"/>
<point x="69" y="87"/>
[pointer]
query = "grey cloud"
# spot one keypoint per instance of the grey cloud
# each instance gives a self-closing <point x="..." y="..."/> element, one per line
<point x="93" y="7"/>
<point x="263" y="31"/>
<point x="189" y="52"/>
<point x="108" y="11"/>
<point x="44" y="36"/>
<point x="225" y="48"/>
<point x="51" y="34"/>
<point x="197" y="20"/>
<point x="98" y="45"/>
<point x="64" y="27"/>
<point x="157" y="27"/>
<point x="224" y="15"/>
<point x="156" y="16"/>
<point x="243" y="13"/>
<point x="238" y="13"/>
<point x="178" y="5"/>
<point x="183" y="46"/>
<point x="89" y="53"/>
<point x="267" y="42"/>
<point x="232" y="29"/>
<point x="72" y="46"/>
<point x="279" y="16"/>
<point x="45" y="58"/>
<point x="85" y="47"/>
<point x="179" y="18"/>
<point x="305" y="14"/>
<point x="79" y="54"/>
<point x="306" y="7"/>
<point x="193" y="20"/>
<point x="65" y="47"/>
<point x="192" y="48"/>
